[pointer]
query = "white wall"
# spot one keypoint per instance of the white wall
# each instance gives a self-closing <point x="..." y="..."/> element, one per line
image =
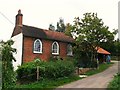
<point x="18" y="40"/>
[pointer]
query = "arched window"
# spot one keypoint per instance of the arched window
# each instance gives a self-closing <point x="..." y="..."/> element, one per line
<point x="37" y="46"/>
<point x="55" y="48"/>
<point x="69" y="50"/>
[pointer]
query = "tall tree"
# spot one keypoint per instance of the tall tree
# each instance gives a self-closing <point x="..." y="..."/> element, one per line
<point x="68" y="29"/>
<point x="91" y="32"/>
<point x="8" y="78"/>
<point x="60" y="25"/>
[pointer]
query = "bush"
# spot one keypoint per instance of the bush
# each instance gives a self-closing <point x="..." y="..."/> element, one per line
<point x="57" y="69"/>
<point x="50" y="70"/>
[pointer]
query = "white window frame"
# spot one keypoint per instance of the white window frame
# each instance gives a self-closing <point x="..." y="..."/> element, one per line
<point x="40" y="46"/>
<point x="57" y="53"/>
<point x="69" y="53"/>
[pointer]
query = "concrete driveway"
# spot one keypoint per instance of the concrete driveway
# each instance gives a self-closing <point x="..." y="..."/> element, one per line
<point x="100" y="80"/>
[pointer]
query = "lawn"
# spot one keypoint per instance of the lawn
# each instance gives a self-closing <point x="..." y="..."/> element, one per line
<point x="50" y="84"/>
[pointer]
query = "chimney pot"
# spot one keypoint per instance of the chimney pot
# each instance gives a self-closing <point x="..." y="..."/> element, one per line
<point x="19" y="11"/>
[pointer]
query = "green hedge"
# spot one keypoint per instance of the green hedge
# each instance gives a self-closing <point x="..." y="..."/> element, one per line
<point x="50" y="70"/>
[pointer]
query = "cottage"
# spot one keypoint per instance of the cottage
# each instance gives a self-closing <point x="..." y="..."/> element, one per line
<point x="32" y="42"/>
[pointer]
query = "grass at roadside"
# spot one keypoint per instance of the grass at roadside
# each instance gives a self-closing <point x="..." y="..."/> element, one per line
<point x="0" y="66"/>
<point x="115" y="58"/>
<point x="101" y="68"/>
<point x="0" y="69"/>
<point x="50" y="84"/>
<point x="115" y="83"/>
<point x="0" y="74"/>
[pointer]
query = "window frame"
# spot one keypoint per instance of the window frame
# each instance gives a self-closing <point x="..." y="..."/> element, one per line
<point x="69" y="53"/>
<point x="40" y="46"/>
<point x="57" y="53"/>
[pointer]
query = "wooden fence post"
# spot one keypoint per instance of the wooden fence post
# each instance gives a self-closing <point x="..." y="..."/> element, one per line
<point x="78" y="70"/>
<point x="37" y="73"/>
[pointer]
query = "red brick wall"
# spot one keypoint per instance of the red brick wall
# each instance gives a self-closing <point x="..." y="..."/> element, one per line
<point x="28" y="54"/>
<point x="63" y="49"/>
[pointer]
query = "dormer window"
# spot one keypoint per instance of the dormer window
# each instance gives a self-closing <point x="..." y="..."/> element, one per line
<point x="37" y="46"/>
<point x="69" y="50"/>
<point x="55" y="48"/>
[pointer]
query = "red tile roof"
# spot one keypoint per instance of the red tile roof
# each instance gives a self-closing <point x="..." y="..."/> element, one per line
<point x="58" y="36"/>
<point x="102" y="51"/>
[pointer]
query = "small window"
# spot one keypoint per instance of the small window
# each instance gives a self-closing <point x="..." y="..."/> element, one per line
<point x="55" y="48"/>
<point x="69" y="50"/>
<point x="37" y="46"/>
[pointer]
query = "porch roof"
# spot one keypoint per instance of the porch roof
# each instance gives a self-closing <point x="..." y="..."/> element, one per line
<point x="102" y="51"/>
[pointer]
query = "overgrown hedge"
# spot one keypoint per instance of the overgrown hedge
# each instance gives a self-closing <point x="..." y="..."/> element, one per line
<point x="50" y="70"/>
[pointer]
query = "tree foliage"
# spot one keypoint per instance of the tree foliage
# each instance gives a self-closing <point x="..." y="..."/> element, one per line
<point x="60" y="25"/>
<point x="51" y="27"/>
<point x="8" y="78"/>
<point x="113" y="47"/>
<point x="68" y="29"/>
<point x="91" y="31"/>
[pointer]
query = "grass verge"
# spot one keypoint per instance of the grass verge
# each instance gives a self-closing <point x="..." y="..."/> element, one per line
<point x="101" y="68"/>
<point x="0" y="66"/>
<point x="49" y="84"/>
<point x="0" y="74"/>
<point x="115" y="83"/>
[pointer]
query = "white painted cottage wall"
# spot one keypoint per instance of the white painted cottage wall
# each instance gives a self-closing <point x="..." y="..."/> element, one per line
<point x="18" y="40"/>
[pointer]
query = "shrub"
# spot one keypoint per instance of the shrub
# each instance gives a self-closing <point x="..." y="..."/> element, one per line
<point x="27" y="71"/>
<point x="57" y="69"/>
<point x="50" y="70"/>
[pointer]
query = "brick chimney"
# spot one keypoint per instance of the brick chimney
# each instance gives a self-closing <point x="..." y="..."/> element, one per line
<point x="19" y="19"/>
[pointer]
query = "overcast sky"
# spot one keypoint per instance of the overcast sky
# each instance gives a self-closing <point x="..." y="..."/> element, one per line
<point x="40" y="13"/>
